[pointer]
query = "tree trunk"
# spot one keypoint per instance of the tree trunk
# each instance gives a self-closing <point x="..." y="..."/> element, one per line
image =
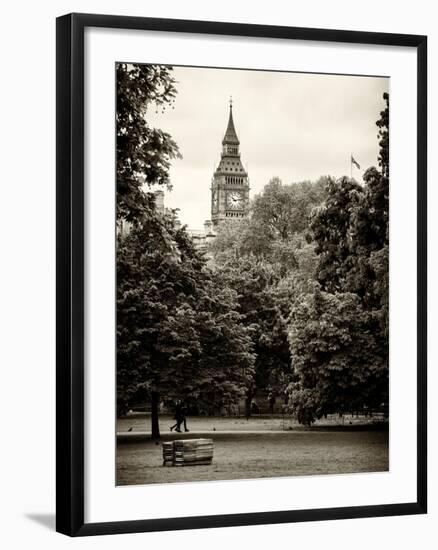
<point x="248" y="401"/>
<point x="155" y="399"/>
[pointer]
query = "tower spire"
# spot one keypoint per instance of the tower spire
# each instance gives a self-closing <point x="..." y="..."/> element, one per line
<point x="230" y="133"/>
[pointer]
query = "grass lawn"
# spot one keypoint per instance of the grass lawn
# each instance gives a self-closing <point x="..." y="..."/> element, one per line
<point x="140" y="422"/>
<point x="242" y="455"/>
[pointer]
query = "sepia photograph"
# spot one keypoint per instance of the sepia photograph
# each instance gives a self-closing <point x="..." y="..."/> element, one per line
<point x="252" y="274"/>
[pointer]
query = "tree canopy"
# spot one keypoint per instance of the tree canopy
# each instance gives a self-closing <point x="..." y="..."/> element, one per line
<point x="292" y="300"/>
<point x="279" y="218"/>
<point x="338" y="333"/>
<point x="283" y="210"/>
<point x="338" y="356"/>
<point x="267" y="260"/>
<point x="144" y="153"/>
<point x="180" y="333"/>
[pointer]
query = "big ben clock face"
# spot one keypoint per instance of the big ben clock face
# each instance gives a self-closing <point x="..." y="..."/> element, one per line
<point x="235" y="200"/>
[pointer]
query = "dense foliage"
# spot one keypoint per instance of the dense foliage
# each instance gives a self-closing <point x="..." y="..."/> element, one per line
<point x="179" y="332"/>
<point x="292" y="300"/>
<point x="339" y="337"/>
<point x="338" y="351"/>
<point x="144" y="153"/>
<point x="268" y="261"/>
<point x="254" y="280"/>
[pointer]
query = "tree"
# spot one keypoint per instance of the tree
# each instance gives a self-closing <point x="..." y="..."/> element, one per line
<point x="352" y="225"/>
<point x="254" y="280"/>
<point x="179" y="331"/>
<point x="383" y="124"/>
<point x="171" y="310"/>
<point x="370" y="226"/>
<point x="278" y="219"/>
<point x="144" y="153"/>
<point x="267" y="261"/>
<point x="331" y="228"/>
<point x="227" y="359"/>
<point x="238" y="238"/>
<point x="283" y="210"/>
<point x="338" y="352"/>
<point x="339" y="337"/>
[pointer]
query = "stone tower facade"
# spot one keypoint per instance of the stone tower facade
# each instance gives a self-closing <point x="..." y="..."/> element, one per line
<point x="230" y="183"/>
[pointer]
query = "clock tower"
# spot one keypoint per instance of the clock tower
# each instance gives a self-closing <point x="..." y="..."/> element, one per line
<point x="230" y="183"/>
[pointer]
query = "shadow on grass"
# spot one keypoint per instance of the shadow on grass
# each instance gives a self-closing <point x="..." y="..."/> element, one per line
<point x="347" y="427"/>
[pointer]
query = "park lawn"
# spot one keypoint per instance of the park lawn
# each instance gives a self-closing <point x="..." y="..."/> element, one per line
<point x="252" y="455"/>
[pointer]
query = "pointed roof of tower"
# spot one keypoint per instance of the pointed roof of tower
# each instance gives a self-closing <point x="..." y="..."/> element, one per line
<point x="230" y="133"/>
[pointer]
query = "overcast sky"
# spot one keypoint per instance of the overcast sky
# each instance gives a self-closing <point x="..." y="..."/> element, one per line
<point x="291" y="125"/>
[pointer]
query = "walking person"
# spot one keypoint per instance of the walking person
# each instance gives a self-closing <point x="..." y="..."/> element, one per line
<point x="180" y="418"/>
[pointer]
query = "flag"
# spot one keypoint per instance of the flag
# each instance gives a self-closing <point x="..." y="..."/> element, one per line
<point x="355" y="162"/>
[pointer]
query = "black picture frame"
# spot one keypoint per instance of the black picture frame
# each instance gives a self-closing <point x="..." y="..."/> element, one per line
<point x="70" y="273"/>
